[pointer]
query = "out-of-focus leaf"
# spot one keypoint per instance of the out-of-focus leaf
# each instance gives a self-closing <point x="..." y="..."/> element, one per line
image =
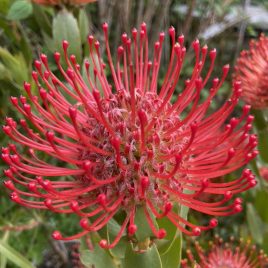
<point x="42" y="19"/>
<point x="261" y="126"/>
<point x="4" y="73"/>
<point x="265" y="243"/>
<point x="260" y="204"/>
<point x="172" y="257"/>
<point x="255" y="224"/>
<point x="98" y="257"/>
<point x="25" y="46"/>
<point x="259" y="119"/>
<point x="4" y="4"/>
<point x="263" y="144"/>
<point x="16" y="65"/>
<point x="166" y="243"/>
<point x="83" y="25"/>
<point x="65" y="27"/>
<point x="20" y="9"/>
<point x="15" y="257"/>
<point x="3" y="259"/>
<point x="149" y="258"/>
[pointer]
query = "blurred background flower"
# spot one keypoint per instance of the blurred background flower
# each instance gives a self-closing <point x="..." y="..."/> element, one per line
<point x="251" y="70"/>
<point x="220" y="254"/>
<point x="29" y="29"/>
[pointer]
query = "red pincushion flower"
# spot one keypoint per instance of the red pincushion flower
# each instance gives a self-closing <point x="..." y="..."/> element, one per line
<point x="226" y="255"/>
<point x="251" y="70"/>
<point x="120" y="144"/>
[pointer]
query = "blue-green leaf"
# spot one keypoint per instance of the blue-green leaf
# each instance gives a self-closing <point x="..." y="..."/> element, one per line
<point x="20" y="9"/>
<point x="98" y="257"/>
<point x="65" y="27"/>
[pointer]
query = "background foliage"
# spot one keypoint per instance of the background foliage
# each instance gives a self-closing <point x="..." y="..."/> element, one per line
<point x="26" y="30"/>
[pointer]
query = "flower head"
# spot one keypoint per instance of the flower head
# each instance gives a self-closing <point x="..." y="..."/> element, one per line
<point x="119" y="144"/>
<point x="60" y="2"/>
<point x="251" y="70"/>
<point x="226" y="255"/>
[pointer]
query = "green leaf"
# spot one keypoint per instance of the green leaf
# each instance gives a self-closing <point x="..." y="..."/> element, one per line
<point x="65" y="27"/>
<point x="255" y="224"/>
<point x="264" y="246"/>
<point x="144" y="230"/>
<point x="113" y="229"/>
<point x="42" y="19"/>
<point x="16" y="65"/>
<point x="148" y="259"/>
<point x="263" y="144"/>
<point x="83" y="25"/>
<point x="25" y="46"/>
<point x="20" y="9"/>
<point x="98" y="257"/>
<point x="259" y="119"/>
<point x="15" y="257"/>
<point x="3" y="259"/>
<point x="4" y="73"/>
<point x="4" y="6"/>
<point x="260" y="204"/>
<point x="172" y="258"/>
<point x="171" y="234"/>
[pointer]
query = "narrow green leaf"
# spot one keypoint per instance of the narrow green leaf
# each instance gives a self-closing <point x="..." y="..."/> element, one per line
<point x="83" y="25"/>
<point x="20" y="9"/>
<point x="255" y="224"/>
<point x="260" y="204"/>
<point x="171" y="233"/>
<point x="98" y="257"/>
<point x="4" y="72"/>
<point x="65" y="27"/>
<point x="42" y="19"/>
<point x="4" y="6"/>
<point x="148" y="259"/>
<point x="144" y="230"/>
<point x="3" y="259"/>
<point x="172" y="258"/>
<point x="16" y="65"/>
<point x="15" y="257"/>
<point x="113" y="229"/>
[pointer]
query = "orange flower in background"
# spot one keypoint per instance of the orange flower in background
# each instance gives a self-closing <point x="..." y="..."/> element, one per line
<point x="60" y="2"/>
<point x="251" y="69"/>
<point x="225" y="255"/>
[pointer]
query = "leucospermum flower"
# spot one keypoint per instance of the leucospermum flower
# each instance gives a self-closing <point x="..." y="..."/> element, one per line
<point x="251" y="70"/>
<point x="120" y="145"/>
<point x="62" y="2"/>
<point x="226" y="255"/>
